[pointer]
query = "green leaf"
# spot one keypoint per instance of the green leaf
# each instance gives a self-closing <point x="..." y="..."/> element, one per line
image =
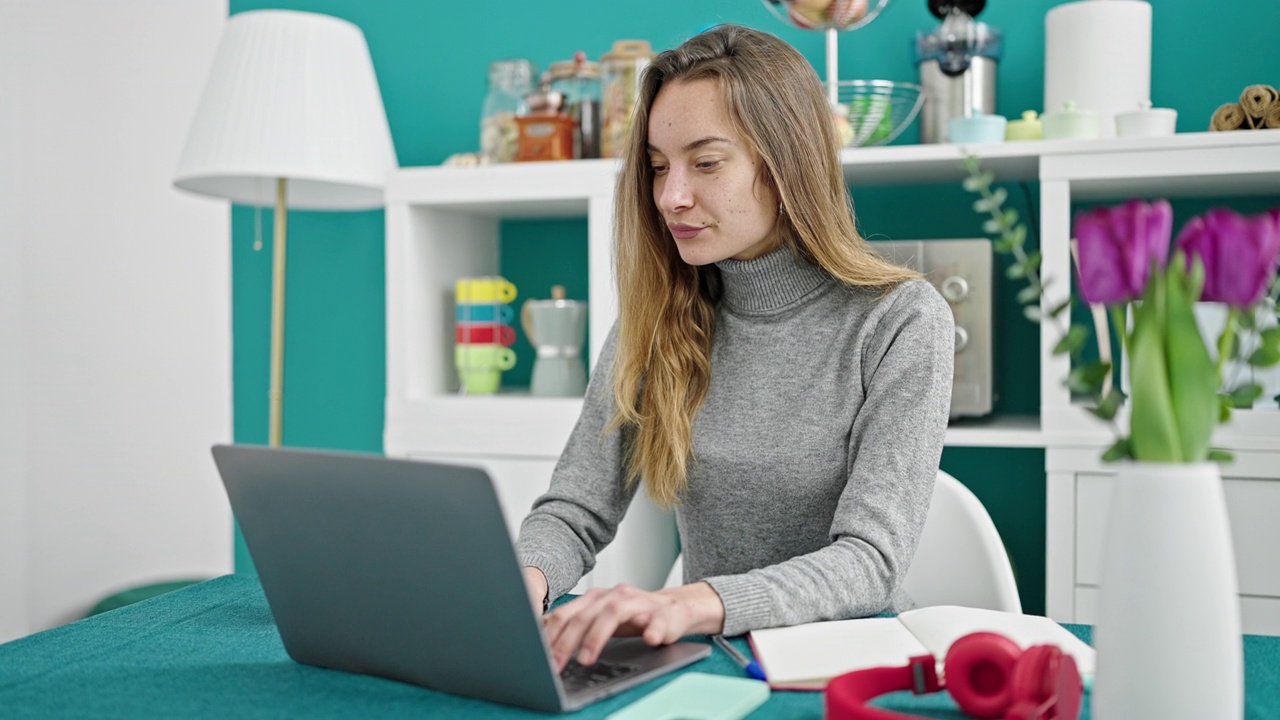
<point x="1193" y="376"/>
<point x="1265" y="357"/>
<point x="998" y="196"/>
<point x="1153" y="429"/>
<point x="1018" y="235"/>
<point x="972" y="184"/>
<point x="1015" y="271"/>
<point x="982" y="206"/>
<point x="1072" y="341"/>
<point x="1246" y="320"/>
<point x="1109" y="406"/>
<point x="1224" y="408"/>
<point x="992" y="226"/>
<point x="1118" y="451"/>
<point x="1032" y="261"/>
<point x="986" y="178"/>
<point x="1243" y="396"/>
<point x="1088" y="378"/>
<point x="1271" y="337"/>
<point x="1030" y="293"/>
<point x="1221" y="456"/>
<point x="1010" y="217"/>
<point x="1032" y="313"/>
<point x="1004" y="245"/>
<point x="1056" y="311"/>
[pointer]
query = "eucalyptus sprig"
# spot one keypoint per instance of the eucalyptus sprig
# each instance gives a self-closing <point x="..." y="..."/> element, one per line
<point x="1087" y="378"/>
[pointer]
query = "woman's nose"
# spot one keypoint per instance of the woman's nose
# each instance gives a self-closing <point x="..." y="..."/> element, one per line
<point x="675" y="192"/>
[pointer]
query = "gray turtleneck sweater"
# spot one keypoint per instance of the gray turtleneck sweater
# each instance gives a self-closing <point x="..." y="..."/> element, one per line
<point x="814" y="452"/>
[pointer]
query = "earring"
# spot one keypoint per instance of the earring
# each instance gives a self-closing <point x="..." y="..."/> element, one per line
<point x="781" y="211"/>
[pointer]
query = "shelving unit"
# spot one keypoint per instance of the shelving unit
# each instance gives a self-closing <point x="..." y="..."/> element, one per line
<point x="443" y="223"/>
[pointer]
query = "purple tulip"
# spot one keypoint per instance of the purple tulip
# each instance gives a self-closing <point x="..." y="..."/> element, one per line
<point x="1239" y="253"/>
<point x="1116" y="246"/>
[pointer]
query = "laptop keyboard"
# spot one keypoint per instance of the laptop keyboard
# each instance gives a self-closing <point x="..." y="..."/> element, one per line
<point x="576" y="676"/>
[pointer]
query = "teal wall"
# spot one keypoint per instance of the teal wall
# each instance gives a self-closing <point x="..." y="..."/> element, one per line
<point x="431" y="60"/>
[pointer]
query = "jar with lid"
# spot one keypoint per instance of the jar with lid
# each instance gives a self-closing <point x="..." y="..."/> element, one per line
<point x="546" y="132"/>
<point x="620" y="71"/>
<point x="509" y="82"/>
<point x="579" y="81"/>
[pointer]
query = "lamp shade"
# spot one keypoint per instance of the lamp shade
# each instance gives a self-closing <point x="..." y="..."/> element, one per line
<point x="290" y="95"/>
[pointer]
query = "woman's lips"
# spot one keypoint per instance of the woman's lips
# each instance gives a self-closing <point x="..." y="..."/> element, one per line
<point x="684" y="232"/>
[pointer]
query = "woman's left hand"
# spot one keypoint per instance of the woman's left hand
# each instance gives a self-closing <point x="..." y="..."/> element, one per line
<point x="661" y="617"/>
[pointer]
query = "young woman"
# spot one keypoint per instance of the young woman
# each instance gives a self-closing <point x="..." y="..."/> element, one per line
<point x="769" y="376"/>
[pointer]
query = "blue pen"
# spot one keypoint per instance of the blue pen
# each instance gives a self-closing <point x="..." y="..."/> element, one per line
<point x="750" y="667"/>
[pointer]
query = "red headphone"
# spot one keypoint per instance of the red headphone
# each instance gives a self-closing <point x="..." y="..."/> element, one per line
<point x="988" y="675"/>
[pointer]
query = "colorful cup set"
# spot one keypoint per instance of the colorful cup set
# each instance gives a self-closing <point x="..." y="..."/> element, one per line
<point x="483" y="333"/>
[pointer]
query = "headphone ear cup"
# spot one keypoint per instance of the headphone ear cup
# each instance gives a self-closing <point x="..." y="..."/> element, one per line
<point x="978" y="673"/>
<point x="1045" y="672"/>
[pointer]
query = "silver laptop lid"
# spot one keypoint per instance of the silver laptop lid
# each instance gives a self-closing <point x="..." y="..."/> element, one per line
<point x="395" y="568"/>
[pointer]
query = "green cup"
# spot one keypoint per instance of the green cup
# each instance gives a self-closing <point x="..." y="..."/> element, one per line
<point x="480" y="366"/>
<point x="480" y="382"/>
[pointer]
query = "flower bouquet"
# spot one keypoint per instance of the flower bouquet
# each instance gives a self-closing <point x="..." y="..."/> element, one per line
<point x="1168" y="612"/>
<point x="1126" y="262"/>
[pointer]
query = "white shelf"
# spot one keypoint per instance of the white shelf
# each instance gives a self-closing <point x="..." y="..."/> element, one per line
<point x="1095" y="164"/>
<point x="442" y="223"/>
<point x="997" y="431"/>
<point x="1204" y="164"/>
<point x="519" y="425"/>
<point x="513" y="190"/>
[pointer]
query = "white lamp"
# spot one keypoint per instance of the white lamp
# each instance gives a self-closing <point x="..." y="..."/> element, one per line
<point x="291" y="115"/>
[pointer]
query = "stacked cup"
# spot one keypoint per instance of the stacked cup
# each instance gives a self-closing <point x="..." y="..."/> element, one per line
<point x="483" y="333"/>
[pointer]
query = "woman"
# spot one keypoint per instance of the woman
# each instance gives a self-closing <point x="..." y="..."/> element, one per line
<point x="769" y="376"/>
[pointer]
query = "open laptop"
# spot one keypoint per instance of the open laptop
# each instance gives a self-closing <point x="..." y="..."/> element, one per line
<point x="405" y="569"/>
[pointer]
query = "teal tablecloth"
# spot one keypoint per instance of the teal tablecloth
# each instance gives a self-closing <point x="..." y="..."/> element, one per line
<point x="212" y="650"/>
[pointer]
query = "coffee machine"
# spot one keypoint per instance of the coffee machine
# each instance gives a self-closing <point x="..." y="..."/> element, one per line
<point x="957" y="63"/>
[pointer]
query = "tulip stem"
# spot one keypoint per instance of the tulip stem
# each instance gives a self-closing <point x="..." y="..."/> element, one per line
<point x="1227" y="341"/>
<point x="1120" y="317"/>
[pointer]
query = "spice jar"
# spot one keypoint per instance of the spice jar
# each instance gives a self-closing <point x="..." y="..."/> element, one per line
<point x="579" y="81"/>
<point x="546" y="132"/>
<point x="620" y="71"/>
<point x="509" y="82"/>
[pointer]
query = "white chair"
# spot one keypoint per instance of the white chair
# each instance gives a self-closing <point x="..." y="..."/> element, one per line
<point x="960" y="559"/>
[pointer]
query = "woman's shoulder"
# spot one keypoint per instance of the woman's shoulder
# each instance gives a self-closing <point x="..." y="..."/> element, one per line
<point x="911" y="297"/>
<point x="916" y="296"/>
<point x="909" y="303"/>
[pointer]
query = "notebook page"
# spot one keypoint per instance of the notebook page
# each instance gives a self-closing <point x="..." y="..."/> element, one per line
<point x="937" y="627"/>
<point x="805" y="657"/>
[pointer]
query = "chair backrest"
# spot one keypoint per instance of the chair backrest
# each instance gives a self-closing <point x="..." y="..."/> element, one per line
<point x="960" y="559"/>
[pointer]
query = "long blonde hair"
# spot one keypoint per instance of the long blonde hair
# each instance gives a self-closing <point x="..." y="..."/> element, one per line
<point x="666" y="322"/>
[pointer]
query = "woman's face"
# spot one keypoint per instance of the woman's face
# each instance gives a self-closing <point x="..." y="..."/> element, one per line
<point x="706" y="179"/>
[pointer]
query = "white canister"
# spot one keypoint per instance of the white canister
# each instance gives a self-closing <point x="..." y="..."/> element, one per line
<point x="1098" y="53"/>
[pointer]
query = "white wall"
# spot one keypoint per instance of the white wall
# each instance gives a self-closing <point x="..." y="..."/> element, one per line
<point x="115" y="308"/>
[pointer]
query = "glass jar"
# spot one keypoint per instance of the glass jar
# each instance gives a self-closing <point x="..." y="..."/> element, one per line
<point x="509" y="82"/>
<point x="579" y="81"/>
<point x="620" y="71"/>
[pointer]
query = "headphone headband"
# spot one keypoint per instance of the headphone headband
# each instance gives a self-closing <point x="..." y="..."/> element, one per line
<point x="987" y="674"/>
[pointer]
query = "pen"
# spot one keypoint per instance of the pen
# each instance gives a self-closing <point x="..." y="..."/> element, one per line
<point x="750" y="667"/>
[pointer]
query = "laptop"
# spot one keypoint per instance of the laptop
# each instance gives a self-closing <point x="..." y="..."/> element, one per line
<point x="405" y="570"/>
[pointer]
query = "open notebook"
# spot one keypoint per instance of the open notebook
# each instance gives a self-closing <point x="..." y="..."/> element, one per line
<point x="805" y="657"/>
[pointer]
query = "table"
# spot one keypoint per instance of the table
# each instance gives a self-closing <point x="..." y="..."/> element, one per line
<point x="212" y="649"/>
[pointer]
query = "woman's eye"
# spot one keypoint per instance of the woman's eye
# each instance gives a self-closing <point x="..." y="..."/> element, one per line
<point x="707" y="164"/>
<point x="658" y="169"/>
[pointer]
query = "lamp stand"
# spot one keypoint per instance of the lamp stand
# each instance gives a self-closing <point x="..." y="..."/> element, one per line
<point x="275" y="394"/>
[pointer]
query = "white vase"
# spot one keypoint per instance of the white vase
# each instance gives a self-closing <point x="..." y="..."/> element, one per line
<point x="1168" y="630"/>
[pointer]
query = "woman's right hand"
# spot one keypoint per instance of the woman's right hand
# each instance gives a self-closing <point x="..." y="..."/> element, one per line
<point x="536" y="583"/>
